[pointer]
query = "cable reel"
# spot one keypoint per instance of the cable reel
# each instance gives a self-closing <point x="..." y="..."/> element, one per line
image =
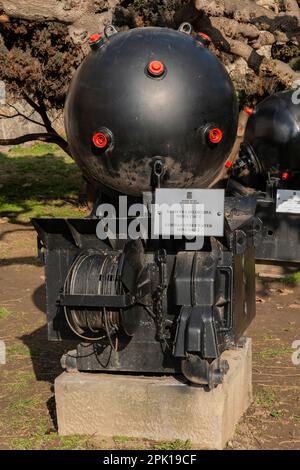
<point x="94" y="273"/>
<point x="120" y="278"/>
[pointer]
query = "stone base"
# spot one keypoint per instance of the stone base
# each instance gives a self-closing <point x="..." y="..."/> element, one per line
<point x="156" y="408"/>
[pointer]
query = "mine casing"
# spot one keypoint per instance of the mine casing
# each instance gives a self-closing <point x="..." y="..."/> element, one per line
<point x="149" y="111"/>
<point x="145" y="93"/>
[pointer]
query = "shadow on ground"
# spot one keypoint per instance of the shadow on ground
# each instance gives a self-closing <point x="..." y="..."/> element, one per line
<point x="39" y="181"/>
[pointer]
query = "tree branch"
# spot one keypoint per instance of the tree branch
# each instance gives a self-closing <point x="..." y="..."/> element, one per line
<point x="41" y="110"/>
<point x="44" y="115"/>
<point x="51" y="135"/>
<point x="31" y="102"/>
<point x="43" y="137"/>
<point x="262" y="66"/>
<point x="19" y="114"/>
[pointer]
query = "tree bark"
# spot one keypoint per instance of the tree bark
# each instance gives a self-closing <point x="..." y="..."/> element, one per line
<point x="245" y="29"/>
<point x="43" y="137"/>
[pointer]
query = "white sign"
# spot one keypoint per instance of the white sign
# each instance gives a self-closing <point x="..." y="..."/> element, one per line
<point x="189" y="212"/>
<point x="288" y="201"/>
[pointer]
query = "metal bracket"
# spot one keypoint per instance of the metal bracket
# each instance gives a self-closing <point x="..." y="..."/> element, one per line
<point x="110" y="30"/>
<point x="238" y="242"/>
<point x="186" y="28"/>
<point x="158" y="171"/>
<point x="40" y="250"/>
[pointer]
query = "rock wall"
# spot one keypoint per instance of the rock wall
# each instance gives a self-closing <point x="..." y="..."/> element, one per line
<point x="16" y="126"/>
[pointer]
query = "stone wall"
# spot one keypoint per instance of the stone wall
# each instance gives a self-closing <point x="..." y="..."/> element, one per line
<point x="17" y="126"/>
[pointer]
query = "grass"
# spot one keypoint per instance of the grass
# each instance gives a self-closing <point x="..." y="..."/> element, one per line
<point x="4" y="313"/>
<point x="174" y="445"/>
<point x="56" y="442"/>
<point x="130" y="443"/>
<point x="42" y="439"/>
<point x="122" y="439"/>
<point x="267" y="398"/>
<point x="18" y="350"/>
<point x="272" y="352"/>
<point x="39" y="181"/>
<point x="277" y="414"/>
<point x="52" y="441"/>
<point x="23" y="405"/>
<point x="22" y="382"/>
<point x="293" y="279"/>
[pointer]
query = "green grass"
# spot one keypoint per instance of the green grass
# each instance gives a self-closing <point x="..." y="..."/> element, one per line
<point x="122" y="439"/>
<point x="22" y="382"/>
<point x="21" y="443"/>
<point x="23" y="405"/>
<point x="273" y="352"/>
<point x="129" y="443"/>
<point x="39" y="181"/>
<point x="52" y="441"/>
<point x="135" y="444"/>
<point x="67" y="442"/>
<point x="4" y="313"/>
<point x="19" y="350"/>
<point x="293" y="279"/>
<point x="267" y="399"/>
<point x="277" y="414"/>
<point x="31" y="432"/>
<point x="37" y="149"/>
<point x="174" y="445"/>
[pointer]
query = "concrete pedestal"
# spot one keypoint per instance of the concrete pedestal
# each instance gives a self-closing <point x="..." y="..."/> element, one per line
<point x="158" y="408"/>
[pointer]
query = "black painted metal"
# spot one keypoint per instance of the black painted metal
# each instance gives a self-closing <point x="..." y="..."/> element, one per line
<point x="205" y="307"/>
<point x="151" y="305"/>
<point x="270" y="160"/>
<point x="273" y="131"/>
<point x="93" y="300"/>
<point x="167" y="116"/>
<point x="280" y="235"/>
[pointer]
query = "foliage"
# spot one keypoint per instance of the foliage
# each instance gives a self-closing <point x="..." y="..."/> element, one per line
<point x="148" y="12"/>
<point x="38" y="60"/>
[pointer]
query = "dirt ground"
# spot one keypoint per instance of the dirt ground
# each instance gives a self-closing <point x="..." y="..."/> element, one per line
<point x="27" y="406"/>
